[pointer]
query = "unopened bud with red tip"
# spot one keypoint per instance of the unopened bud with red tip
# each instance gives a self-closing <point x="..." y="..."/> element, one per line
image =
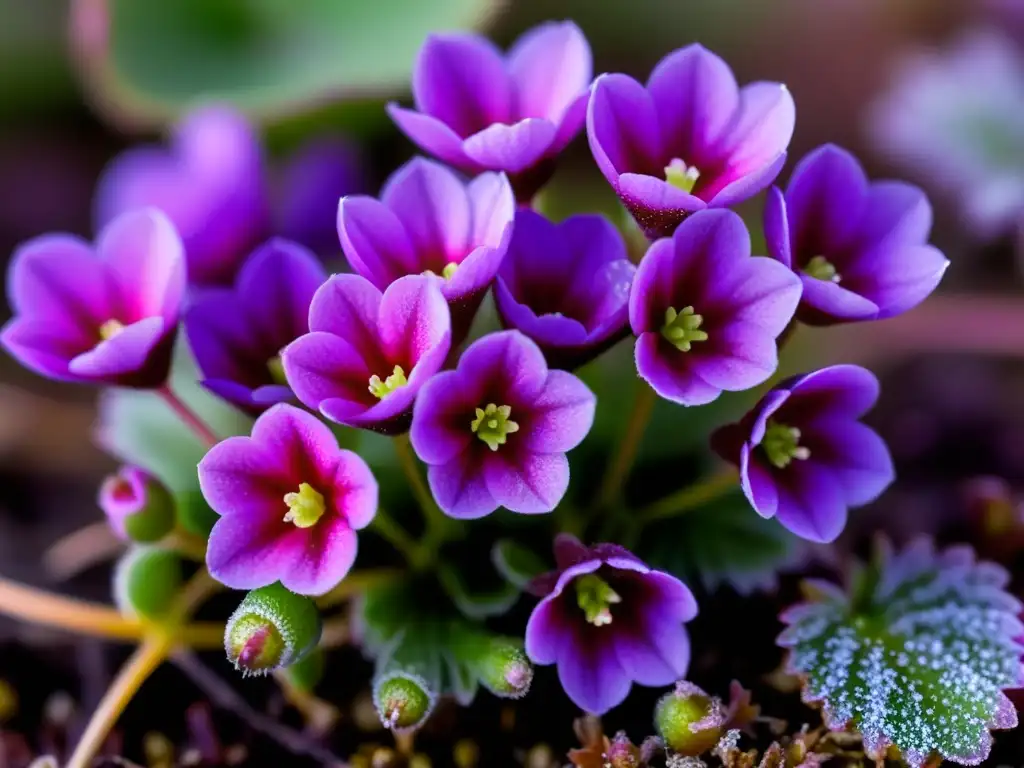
<point x="137" y="505"/>
<point x="271" y="629"/>
<point x="689" y="721"/>
<point x="403" y="700"/>
<point x="503" y="668"/>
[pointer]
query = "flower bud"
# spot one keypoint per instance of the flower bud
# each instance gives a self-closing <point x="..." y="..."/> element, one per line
<point x="622" y="753"/>
<point x="270" y="629"/>
<point x="403" y="700"/>
<point x="689" y="721"/>
<point x="504" y="669"/>
<point x="146" y="581"/>
<point x="138" y="506"/>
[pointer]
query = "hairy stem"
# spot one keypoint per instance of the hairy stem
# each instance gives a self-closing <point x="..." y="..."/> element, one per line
<point x="39" y="606"/>
<point x="629" y="446"/>
<point x="201" y="429"/>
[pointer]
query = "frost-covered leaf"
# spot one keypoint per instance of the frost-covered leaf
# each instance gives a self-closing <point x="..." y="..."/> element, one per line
<point x="724" y="542"/>
<point x="917" y="655"/>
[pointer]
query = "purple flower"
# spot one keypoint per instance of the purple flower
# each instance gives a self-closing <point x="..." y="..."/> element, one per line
<point x="237" y="334"/>
<point x="860" y="249"/>
<point x="367" y="355"/>
<point x="691" y="139"/>
<point x="495" y="430"/>
<point x="478" y="110"/>
<point x="320" y="173"/>
<point x="706" y="313"/>
<point x="107" y="315"/>
<point x="608" y="621"/>
<point x="290" y="503"/>
<point x="428" y="220"/>
<point x="803" y="455"/>
<point x="566" y="286"/>
<point x="210" y="182"/>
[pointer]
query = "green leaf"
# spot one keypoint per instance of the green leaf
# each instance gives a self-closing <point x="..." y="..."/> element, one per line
<point x="517" y="564"/>
<point x="140" y="428"/>
<point x="725" y="542"/>
<point x="150" y="60"/>
<point x="917" y="656"/>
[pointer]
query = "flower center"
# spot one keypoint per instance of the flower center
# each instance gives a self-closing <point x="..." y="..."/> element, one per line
<point x="782" y="444"/>
<point x="276" y="369"/>
<point x="447" y="273"/>
<point x="493" y="425"/>
<point x="681" y="175"/>
<point x="595" y="598"/>
<point x="380" y="388"/>
<point x="110" y="329"/>
<point x="821" y="268"/>
<point x="305" y="507"/>
<point x="681" y="329"/>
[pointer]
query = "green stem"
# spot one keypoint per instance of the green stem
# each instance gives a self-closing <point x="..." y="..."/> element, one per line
<point x="438" y="525"/>
<point x="191" y="419"/>
<point x="629" y="446"/>
<point x="687" y="499"/>
<point x="386" y="526"/>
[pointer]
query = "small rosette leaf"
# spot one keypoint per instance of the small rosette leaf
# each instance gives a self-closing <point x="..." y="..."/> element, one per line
<point x="517" y="564"/>
<point x="146" y="581"/>
<point x="915" y="655"/>
<point x="271" y="628"/>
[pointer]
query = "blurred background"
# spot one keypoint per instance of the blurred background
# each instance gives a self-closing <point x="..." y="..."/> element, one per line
<point x="925" y="90"/>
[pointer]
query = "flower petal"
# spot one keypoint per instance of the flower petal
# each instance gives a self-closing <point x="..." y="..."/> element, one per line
<point x="441" y="419"/>
<point x="432" y="136"/>
<point x="826" y="200"/>
<point x="414" y="320"/>
<point x="622" y="128"/>
<point x="735" y="358"/>
<point x="855" y="453"/>
<point x="758" y="484"/>
<point x="590" y="672"/>
<point x="328" y="555"/>
<point x="279" y="280"/>
<point x="550" y="66"/>
<point x="355" y="490"/>
<point x="375" y="241"/>
<point x="432" y="205"/>
<point x="240" y="478"/>
<point x="461" y="80"/>
<point x="511" y="148"/>
<point x="546" y="631"/>
<point x="560" y="417"/>
<point x="811" y="502"/>
<point x="349" y="306"/>
<point x="526" y="482"/>
<point x="696" y="96"/>
<point x="247" y="552"/>
<point x="459" y="486"/>
<point x="897" y="279"/>
<point x="126" y="353"/>
<point x="302" y="444"/>
<point x="506" y="362"/>
<point x="669" y="373"/>
<point x="493" y="206"/>
<point x="321" y="366"/>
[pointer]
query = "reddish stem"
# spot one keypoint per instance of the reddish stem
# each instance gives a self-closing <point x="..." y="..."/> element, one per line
<point x="187" y="415"/>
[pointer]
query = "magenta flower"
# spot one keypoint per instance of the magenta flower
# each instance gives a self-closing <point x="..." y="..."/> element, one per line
<point x="803" y="455"/>
<point x="706" y="313"/>
<point x="368" y="354"/>
<point x="290" y="503"/>
<point x="566" y="286"/>
<point x="210" y="182"/>
<point x="860" y="249"/>
<point x="608" y="621"/>
<point x="107" y="315"/>
<point x="495" y="430"/>
<point x="478" y="110"/>
<point x="691" y="139"/>
<point x="428" y="220"/>
<point x="237" y="334"/>
<point x="314" y="179"/>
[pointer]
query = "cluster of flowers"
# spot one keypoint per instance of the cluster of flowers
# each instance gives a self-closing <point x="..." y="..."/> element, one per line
<point x="381" y="348"/>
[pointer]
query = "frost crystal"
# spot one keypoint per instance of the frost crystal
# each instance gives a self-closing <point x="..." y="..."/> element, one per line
<point x="916" y="656"/>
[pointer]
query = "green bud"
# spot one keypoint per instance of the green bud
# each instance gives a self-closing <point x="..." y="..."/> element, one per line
<point x="146" y="581"/>
<point x="137" y="505"/>
<point x="503" y="668"/>
<point x="689" y="721"/>
<point x="270" y="629"/>
<point x="403" y="700"/>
